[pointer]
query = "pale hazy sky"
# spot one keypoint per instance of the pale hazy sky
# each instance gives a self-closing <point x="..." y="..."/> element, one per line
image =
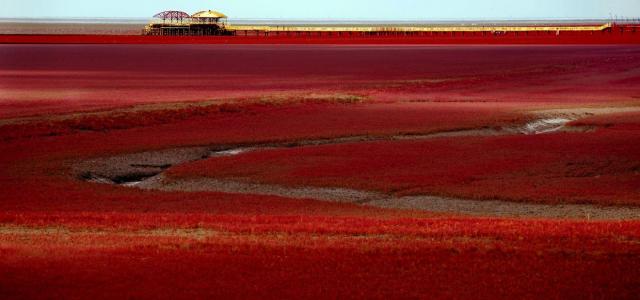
<point x="332" y="9"/>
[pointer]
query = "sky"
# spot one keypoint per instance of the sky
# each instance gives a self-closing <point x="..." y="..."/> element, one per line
<point x="330" y="9"/>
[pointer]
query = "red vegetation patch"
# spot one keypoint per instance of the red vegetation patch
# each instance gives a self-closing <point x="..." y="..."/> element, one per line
<point x="600" y="167"/>
<point x="37" y="168"/>
<point x="64" y="238"/>
<point x="620" y="121"/>
<point x="273" y="257"/>
<point x="111" y="121"/>
<point x="47" y="79"/>
<point x="249" y="122"/>
<point x="168" y="270"/>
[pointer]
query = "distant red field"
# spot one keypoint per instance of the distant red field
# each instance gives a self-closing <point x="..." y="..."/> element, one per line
<point x="48" y="79"/>
<point x="66" y="234"/>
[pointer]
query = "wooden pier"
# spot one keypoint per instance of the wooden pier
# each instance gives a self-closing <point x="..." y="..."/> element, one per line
<point x="212" y="23"/>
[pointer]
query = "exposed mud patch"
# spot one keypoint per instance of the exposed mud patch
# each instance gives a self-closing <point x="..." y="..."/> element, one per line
<point x="510" y="209"/>
<point x="545" y="125"/>
<point x="133" y="169"/>
<point x="130" y="168"/>
<point x="583" y="112"/>
<point x="551" y="120"/>
<point x="428" y="203"/>
<point x="227" y="186"/>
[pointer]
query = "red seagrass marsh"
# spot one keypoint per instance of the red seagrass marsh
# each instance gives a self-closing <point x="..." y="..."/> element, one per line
<point x="277" y="171"/>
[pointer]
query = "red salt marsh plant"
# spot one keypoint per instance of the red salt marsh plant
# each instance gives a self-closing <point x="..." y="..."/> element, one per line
<point x="72" y="239"/>
<point x="600" y="167"/>
<point x="162" y="255"/>
<point x="272" y="119"/>
<point x="61" y="237"/>
<point x="149" y="115"/>
<point x="47" y="79"/>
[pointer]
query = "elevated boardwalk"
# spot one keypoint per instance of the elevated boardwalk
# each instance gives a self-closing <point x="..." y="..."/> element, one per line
<point x="214" y="23"/>
<point x="262" y="28"/>
<point x="259" y="30"/>
<point x="199" y="29"/>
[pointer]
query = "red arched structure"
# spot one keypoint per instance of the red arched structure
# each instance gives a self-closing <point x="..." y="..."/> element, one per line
<point x="172" y="15"/>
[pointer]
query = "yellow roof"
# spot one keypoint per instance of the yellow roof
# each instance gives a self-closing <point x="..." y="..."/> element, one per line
<point x="209" y="14"/>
